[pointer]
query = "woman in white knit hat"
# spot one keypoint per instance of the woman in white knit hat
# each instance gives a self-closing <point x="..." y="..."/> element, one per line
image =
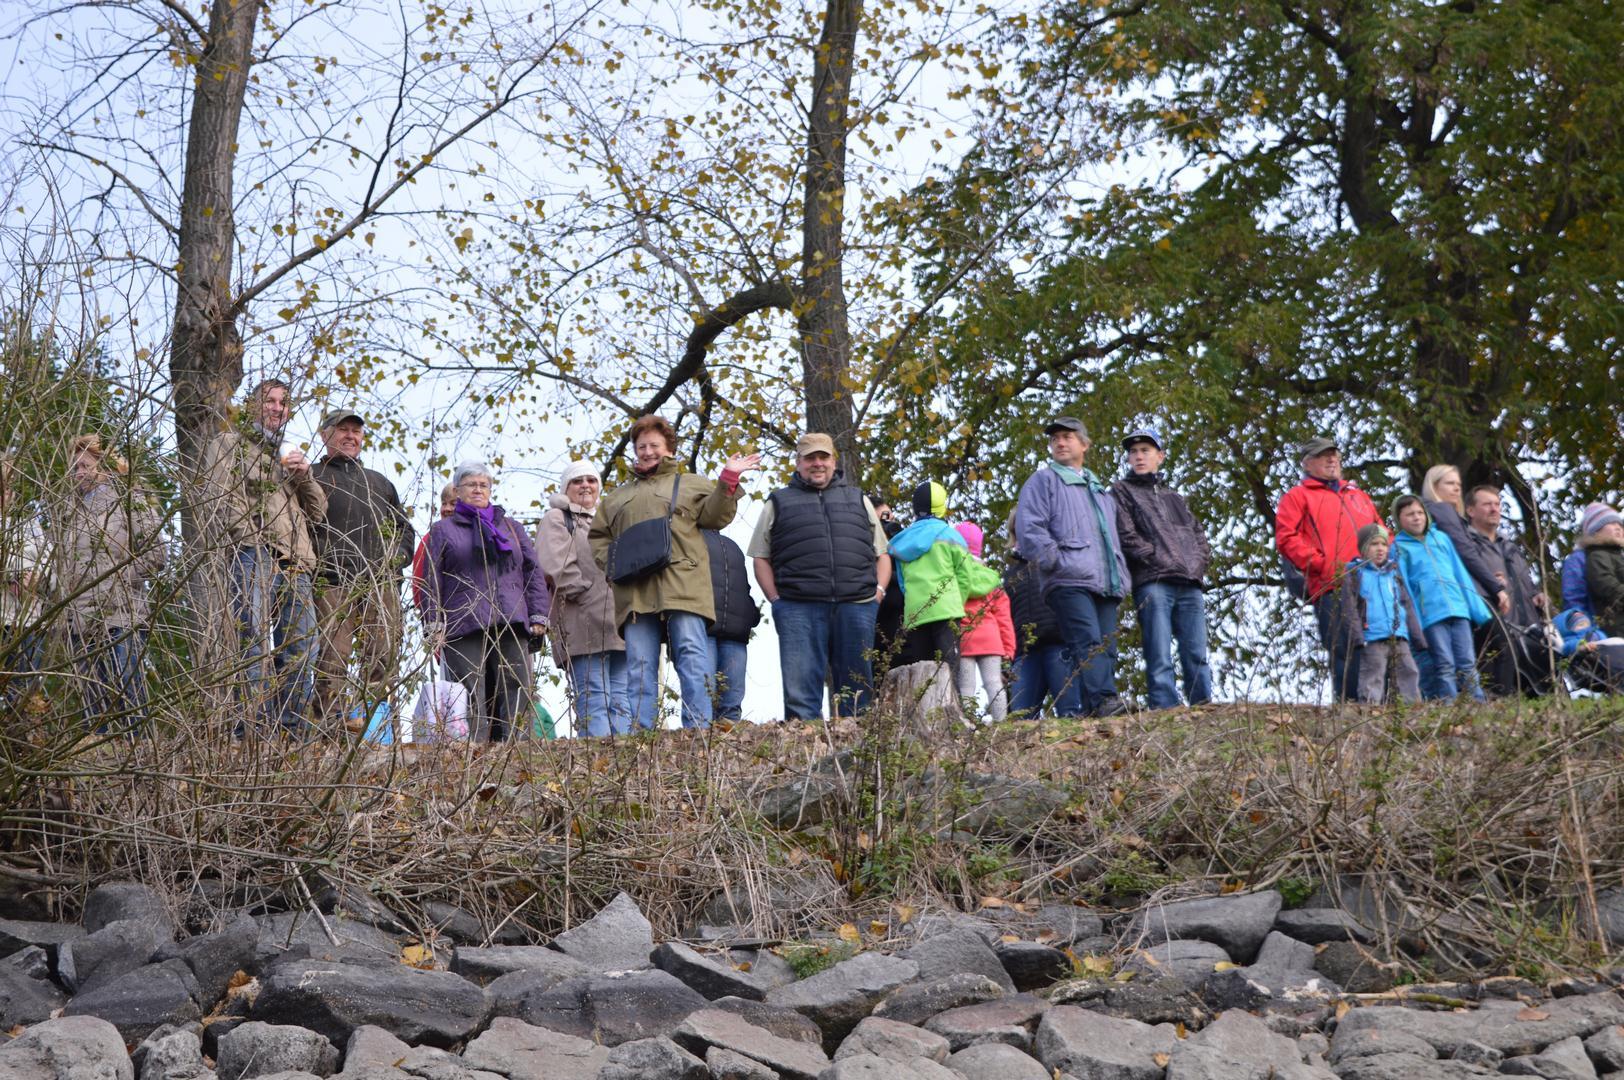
<point x="583" y="626"/>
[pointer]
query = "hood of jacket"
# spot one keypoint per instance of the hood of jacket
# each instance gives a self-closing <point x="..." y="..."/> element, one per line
<point x="916" y="539"/>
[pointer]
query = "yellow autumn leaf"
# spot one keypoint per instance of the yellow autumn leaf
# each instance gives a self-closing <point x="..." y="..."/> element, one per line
<point x="1096" y="965"/>
<point x="417" y="956"/>
<point x="1161" y="1059"/>
<point x="1225" y="965"/>
<point x="849" y="934"/>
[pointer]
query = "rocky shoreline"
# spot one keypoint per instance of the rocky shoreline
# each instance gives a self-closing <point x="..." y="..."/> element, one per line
<point x="1214" y="988"/>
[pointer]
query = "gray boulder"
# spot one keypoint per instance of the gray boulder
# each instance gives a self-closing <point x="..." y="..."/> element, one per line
<point x="611" y="1008"/>
<point x="1606" y="1049"/>
<point x="1009" y="1021"/>
<point x="891" y="1040"/>
<point x="712" y="978"/>
<point x="959" y="952"/>
<point x="1190" y="961"/>
<point x="515" y="1049"/>
<point x="298" y="935"/>
<point x="1092" y="1046"/>
<point x="617" y="938"/>
<point x="18" y="934"/>
<point x="68" y="1048"/>
<point x="767" y="968"/>
<point x="1506" y="1026"/>
<point x="25" y="998"/>
<point x="727" y="1064"/>
<point x="1407" y="1067"/>
<point x="351" y="901"/>
<point x="869" y="1067"/>
<point x="1032" y="966"/>
<point x="1238" y="1046"/>
<point x="789" y="1058"/>
<point x="372" y="1046"/>
<point x="1373" y="1041"/>
<point x="1004" y="806"/>
<point x="1283" y="964"/>
<point x="916" y="1003"/>
<point x="1564" y="1060"/>
<point x="996" y="1061"/>
<point x="1316" y="926"/>
<point x="1149" y="1001"/>
<point x="215" y="958"/>
<point x="1353" y="967"/>
<point x="258" y="1049"/>
<point x="436" y="1008"/>
<point x="653" y="1059"/>
<point x="806" y="800"/>
<point x="1238" y="922"/>
<point x="1610" y="914"/>
<point x="118" y="901"/>
<point x="484" y="965"/>
<point x="171" y="1054"/>
<point x="139" y="1002"/>
<point x="784" y="1022"/>
<point x="108" y="952"/>
<point x="838" y="998"/>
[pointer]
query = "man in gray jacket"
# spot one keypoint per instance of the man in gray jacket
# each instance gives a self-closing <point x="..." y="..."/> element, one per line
<point x="363" y="544"/>
<point x="1066" y="524"/>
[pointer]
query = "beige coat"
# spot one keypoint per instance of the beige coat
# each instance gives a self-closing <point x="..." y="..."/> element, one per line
<point x="583" y="615"/>
<point x="24" y="565"/>
<point x="685" y="584"/>
<point x="108" y="546"/>
<point x="250" y="500"/>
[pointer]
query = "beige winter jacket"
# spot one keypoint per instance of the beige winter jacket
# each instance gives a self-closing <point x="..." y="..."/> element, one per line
<point x="250" y="500"/>
<point x="583" y="617"/>
<point x="108" y="546"/>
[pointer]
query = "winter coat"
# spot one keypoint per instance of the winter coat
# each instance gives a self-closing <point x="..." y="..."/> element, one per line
<point x="1438" y="581"/>
<point x="1576" y="628"/>
<point x="469" y="586"/>
<point x="1494" y="555"/>
<point x="249" y="499"/>
<point x="1604" y="576"/>
<point x="822" y="542"/>
<point x="583" y="616"/>
<point x="108" y="547"/>
<point x="988" y="628"/>
<point x="684" y="585"/>
<point x="365" y="533"/>
<point x="936" y="572"/>
<point x="1316" y="528"/>
<point x="1575" y="592"/>
<point x="1030" y="614"/>
<point x="1476" y="553"/>
<point x="1374" y="604"/>
<point x="1160" y="537"/>
<point x="736" y="610"/>
<point x="23" y="553"/>
<point x="1070" y="532"/>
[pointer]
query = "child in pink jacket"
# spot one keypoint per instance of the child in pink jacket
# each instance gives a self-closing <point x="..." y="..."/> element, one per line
<point x="988" y="638"/>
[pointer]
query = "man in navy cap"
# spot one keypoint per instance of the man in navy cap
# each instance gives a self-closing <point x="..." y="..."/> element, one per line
<point x="1168" y="556"/>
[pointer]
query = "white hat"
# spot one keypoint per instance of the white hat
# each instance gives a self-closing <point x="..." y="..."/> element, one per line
<point x="577" y="469"/>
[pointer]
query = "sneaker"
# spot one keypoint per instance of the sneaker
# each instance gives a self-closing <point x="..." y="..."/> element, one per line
<point x="1110" y="706"/>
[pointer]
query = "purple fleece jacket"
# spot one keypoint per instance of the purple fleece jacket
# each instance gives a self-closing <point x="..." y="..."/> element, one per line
<point x="469" y="587"/>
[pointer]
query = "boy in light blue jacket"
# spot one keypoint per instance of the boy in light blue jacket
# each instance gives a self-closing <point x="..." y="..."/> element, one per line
<point x="1446" y="601"/>
<point x="1378" y="612"/>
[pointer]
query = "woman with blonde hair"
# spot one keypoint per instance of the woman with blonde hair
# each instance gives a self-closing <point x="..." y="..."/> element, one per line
<point x="109" y="547"/>
<point x="1441" y="495"/>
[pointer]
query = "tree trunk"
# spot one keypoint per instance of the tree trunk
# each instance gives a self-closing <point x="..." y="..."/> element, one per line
<point x="205" y="360"/>
<point x="825" y="337"/>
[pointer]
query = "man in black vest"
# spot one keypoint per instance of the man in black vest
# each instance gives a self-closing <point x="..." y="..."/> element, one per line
<point x="820" y="558"/>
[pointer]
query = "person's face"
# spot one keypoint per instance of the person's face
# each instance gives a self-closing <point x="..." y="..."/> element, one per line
<point x="1413" y="519"/>
<point x="1326" y="466"/>
<point x="1068" y="448"/>
<point x="1376" y="551"/>
<point x="650" y="449"/>
<point x="273" y="409"/>
<point x="816" y="468"/>
<point x="583" y="491"/>
<point x="87" y="471"/>
<point x="1485" y="511"/>
<point x="475" y="491"/>
<point x="883" y="511"/>
<point x="1144" y="458"/>
<point x="1612" y="531"/>
<point x="448" y="502"/>
<point x="1448" y="487"/>
<point x="344" y="439"/>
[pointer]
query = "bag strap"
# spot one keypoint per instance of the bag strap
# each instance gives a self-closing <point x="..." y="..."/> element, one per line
<point x="671" y="507"/>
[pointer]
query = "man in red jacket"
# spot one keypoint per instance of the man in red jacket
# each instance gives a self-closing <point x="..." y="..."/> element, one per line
<point x="1316" y="529"/>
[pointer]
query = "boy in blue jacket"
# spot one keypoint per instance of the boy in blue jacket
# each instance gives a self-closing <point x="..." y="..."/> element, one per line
<point x="1379" y="615"/>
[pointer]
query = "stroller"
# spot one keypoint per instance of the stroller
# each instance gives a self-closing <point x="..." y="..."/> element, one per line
<point x="1594" y="662"/>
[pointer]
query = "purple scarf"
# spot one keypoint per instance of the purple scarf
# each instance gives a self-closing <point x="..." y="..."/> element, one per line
<point x="486" y="516"/>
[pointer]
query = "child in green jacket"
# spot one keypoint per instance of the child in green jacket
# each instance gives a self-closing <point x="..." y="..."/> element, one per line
<point x="937" y="574"/>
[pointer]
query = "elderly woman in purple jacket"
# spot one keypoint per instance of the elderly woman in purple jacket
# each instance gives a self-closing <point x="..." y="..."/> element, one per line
<point x="484" y="597"/>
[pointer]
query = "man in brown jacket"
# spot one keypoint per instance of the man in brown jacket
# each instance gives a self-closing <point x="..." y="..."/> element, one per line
<point x="256" y="508"/>
<point x="583" y="618"/>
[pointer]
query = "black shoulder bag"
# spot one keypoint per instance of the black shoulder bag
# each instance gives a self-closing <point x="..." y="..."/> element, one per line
<point x="645" y="548"/>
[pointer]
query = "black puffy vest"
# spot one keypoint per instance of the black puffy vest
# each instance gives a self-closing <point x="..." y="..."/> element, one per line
<point x="736" y="611"/>
<point x="822" y="543"/>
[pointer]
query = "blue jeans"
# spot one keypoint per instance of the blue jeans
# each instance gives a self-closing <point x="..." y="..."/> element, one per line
<point x="1041" y="673"/>
<point x="688" y="638"/>
<point x="817" y="640"/>
<point x="276" y="625"/>
<point x="598" y="685"/>
<point x="1167" y="610"/>
<point x="113" y="667"/>
<point x="1449" y="666"/>
<point x="1088" y="622"/>
<point x="1340" y="649"/>
<point x="728" y="662"/>
<point x="23" y="650"/>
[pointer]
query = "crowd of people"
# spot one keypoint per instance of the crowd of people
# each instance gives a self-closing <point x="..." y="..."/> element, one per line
<point x="311" y="556"/>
